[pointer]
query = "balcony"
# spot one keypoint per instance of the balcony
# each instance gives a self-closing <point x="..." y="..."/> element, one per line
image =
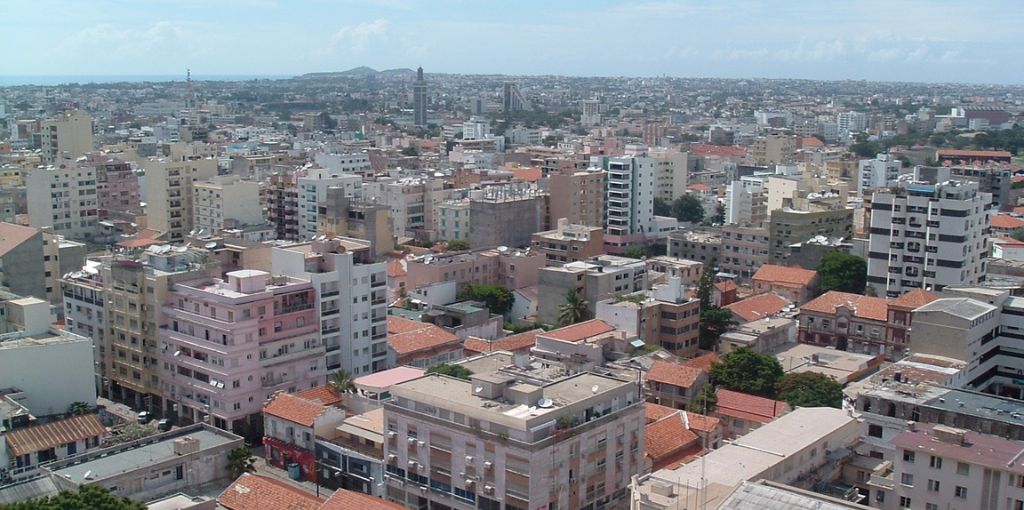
<point x="329" y="312"/>
<point x="292" y="356"/>
<point x="377" y="283"/>
<point x="329" y="294"/>
<point x="330" y="331"/>
<point x="882" y="482"/>
<point x="297" y="307"/>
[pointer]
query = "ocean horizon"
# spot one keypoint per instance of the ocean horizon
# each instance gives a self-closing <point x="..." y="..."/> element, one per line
<point x="52" y="80"/>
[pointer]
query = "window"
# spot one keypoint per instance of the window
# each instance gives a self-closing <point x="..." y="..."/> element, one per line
<point x="904" y="502"/>
<point x="963" y="468"/>
<point x="907" y="479"/>
<point x="931" y="506"/>
<point x="933" y="485"/>
<point x="908" y="456"/>
<point x="960" y="492"/>
<point x="935" y="462"/>
<point x="876" y="431"/>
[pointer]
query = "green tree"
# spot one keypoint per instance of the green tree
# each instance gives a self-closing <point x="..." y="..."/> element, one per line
<point x="576" y="309"/>
<point x="843" y="272"/>
<point x="457" y="371"/>
<point x="905" y="161"/>
<point x="635" y="252"/>
<point x="705" y="400"/>
<point x="688" y="208"/>
<point x="747" y="371"/>
<point x="719" y="216"/>
<point x="88" y="497"/>
<point x="810" y="389"/>
<point x="714" y="321"/>
<point x="327" y="121"/>
<point x="342" y="382"/>
<point x="240" y="460"/>
<point x="457" y="245"/>
<point x="866" y="149"/>
<point x="706" y="285"/>
<point x="410" y="151"/>
<point x="662" y="207"/>
<point x="498" y="299"/>
<point x="78" y="408"/>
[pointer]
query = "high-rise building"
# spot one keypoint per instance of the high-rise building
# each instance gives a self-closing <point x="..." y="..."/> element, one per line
<point x="68" y="136"/>
<point x="419" y="99"/>
<point x="117" y="188"/>
<point x="591" y="112"/>
<point x="787" y="227"/>
<point x="351" y="296"/>
<point x="413" y="202"/>
<point x="577" y="196"/>
<point x="629" y="195"/>
<point x="341" y="215"/>
<point x="746" y="201"/>
<point x="852" y="122"/>
<point x="513" y="98"/>
<point x="513" y="438"/>
<point x="63" y="197"/>
<point x="928" y="236"/>
<point x="313" y="191"/>
<point x="169" y="193"/>
<point x="228" y="345"/>
<point x="226" y="201"/>
<point x="881" y="172"/>
<point x="774" y="149"/>
<point x="505" y="216"/>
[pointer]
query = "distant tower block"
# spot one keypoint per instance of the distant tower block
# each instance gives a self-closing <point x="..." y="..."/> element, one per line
<point x="513" y="98"/>
<point x="419" y="99"/>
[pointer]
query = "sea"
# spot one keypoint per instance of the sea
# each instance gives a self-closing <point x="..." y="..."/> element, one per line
<point x="51" y="80"/>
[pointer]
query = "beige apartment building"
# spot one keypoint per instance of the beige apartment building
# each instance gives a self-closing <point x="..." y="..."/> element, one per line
<point x="69" y="136"/>
<point x="596" y="279"/>
<point x="504" y="439"/>
<point x="568" y="243"/>
<point x="169" y="193"/>
<point x="578" y="197"/>
<point x="773" y="150"/>
<point x="226" y="201"/>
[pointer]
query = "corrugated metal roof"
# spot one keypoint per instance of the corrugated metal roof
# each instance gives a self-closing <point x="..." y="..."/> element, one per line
<point x="50" y="435"/>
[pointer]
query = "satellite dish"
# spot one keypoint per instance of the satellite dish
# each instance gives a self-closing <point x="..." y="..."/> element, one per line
<point x="594" y="388"/>
<point x="478" y="389"/>
<point x="210" y="245"/>
<point x="545" y="403"/>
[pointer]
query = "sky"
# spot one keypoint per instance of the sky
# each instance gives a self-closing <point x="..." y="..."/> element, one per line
<point x="885" y="40"/>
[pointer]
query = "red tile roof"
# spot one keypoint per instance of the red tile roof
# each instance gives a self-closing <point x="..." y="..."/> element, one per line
<point x="674" y="374"/>
<point x="726" y="286"/>
<point x="407" y="336"/>
<point x="351" y="500"/>
<point x="512" y="343"/>
<point x="811" y="141"/>
<point x="12" y="235"/>
<point x="581" y="331"/>
<point x="666" y="439"/>
<point x="1007" y="222"/>
<point x="914" y="299"/>
<point x="654" y="412"/>
<point x="700" y="422"/>
<point x="294" y="409"/>
<point x="529" y="174"/>
<point x="786" y="276"/>
<point x="704" y="149"/>
<point x="326" y="395"/>
<point x="49" y="435"/>
<point x="395" y="269"/>
<point x="864" y="307"/>
<point x="974" y="154"/>
<point x="758" y="306"/>
<point x="257" y="492"/>
<point x="703" y="362"/>
<point x="748" y="407"/>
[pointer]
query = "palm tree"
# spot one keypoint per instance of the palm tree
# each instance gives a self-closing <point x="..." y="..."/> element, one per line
<point x="576" y="309"/>
<point x="240" y="461"/>
<point x="78" y="408"/>
<point x="342" y="382"/>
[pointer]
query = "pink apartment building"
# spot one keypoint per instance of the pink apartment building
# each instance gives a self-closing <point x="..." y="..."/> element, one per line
<point x="227" y="346"/>
<point x="511" y="268"/>
<point x="117" y="189"/>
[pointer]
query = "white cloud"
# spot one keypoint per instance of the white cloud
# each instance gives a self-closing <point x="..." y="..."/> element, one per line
<point x="356" y="37"/>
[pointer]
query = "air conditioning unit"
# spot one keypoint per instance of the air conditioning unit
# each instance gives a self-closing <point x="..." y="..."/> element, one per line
<point x="488" y="489"/>
<point x="392" y="434"/>
<point x="392" y="458"/>
<point x="488" y="464"/>
<point x="421" y="443"/>
<point x="412" y="463"/>
<point x="423" y="489"/>
<point x="421" y="467"/>
<point x="469" y="483"/>
<point x="412" y="440"/>
<point x="469" y="458"/>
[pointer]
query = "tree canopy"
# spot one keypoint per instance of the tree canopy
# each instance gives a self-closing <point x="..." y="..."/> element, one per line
<point x="688" y="208"/>
<point x="843" y="272"/>
<point x="714" y="321"/>
<point x="241" y="461"/>
<point x="457" y="371"/>
<point x="457" y="245"/>
<point x="88" y="497"/>
<point x="576" y="309"/>
<point x="661" y="207"/>
<point x="747" y="371"/>
<point x="498" y="299"/>
<point x="810" y="389"/>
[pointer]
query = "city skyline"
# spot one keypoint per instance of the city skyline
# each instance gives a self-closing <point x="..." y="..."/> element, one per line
<point x="736" y="39"/>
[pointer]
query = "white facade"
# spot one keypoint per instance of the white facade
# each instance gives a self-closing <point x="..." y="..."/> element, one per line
<point x="928" y="236"/>
<point x="476" y="129"/>
<point x="54" y="369"/>
<point x="226" y="201"/>
<point x="629" y="196"/>
<point x="740" y="197"/>
<point x="351" y="297"/>
<point x="313" y="190"/>
<point x="852" y="122"/>
<point x="353" y="163"/>
<point x="64" y="198"/>
<point x="672" y="173"/>
<point x="881" y="172"/>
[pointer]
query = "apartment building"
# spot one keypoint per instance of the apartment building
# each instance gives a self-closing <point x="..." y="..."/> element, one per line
<point x="673" y="170"/>
<point x="663" y="268"/>
<point x="937" y="466"/>
<point x="994" y="179"/>
<point x="82" y="293"/>
<point x="292" y="426"/>
<point x="496" y="442"/>
<point x="568" y="243"/>
<point x="351" y="301"/>
<point x="169" y="194"/>
<point x="342" y="215"/>
<point x="48" y="368"/>
<point x="68" y="136"/>
<point x="746" y="201"/>
<point x="357" y="163"/>
<point x="663" y="316"/>
<point x="900" y="317"/>
<point x="629" y="199"/>
<point x="283" y="206"/>
<point x="64" y="199"/>
<point x="787" y="227"/>
<point x="774" y="149"/>
<point x="313" y="184"/>
<point x="881" y="172"/>
<point x="60" y="256"/>
<point x="702" y="246"/>
<point x="413" y="202"/>
<point x="117" y="190"/>
<point x="578" y="196"/>
<point x="505" y="216"/>
<point x="595" y="280"/>
<point x="226" y="201"/>
<point x="228" y="345"/>
<point x="21" y="250"/>
<point x="512" y="269"/>
<point x="744" y="249"/>
<point x="928" y="236"/>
